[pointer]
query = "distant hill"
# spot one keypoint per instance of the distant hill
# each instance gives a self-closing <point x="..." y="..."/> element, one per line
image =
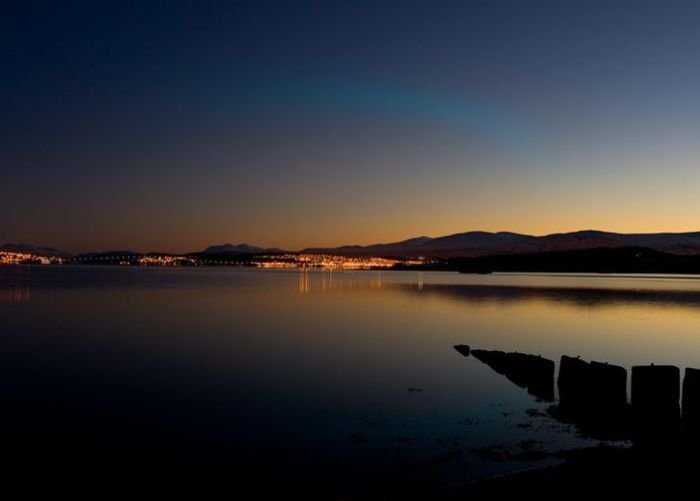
<point x="481" y="243"/>
<point x="238" y="249"/>
<point x="467" y="244"/>
<point x="36" y="251"/>
<point x="405" y="246"/>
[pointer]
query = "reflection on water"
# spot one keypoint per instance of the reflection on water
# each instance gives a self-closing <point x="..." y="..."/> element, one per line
<point x="581" y="297"/>
<point x="304" y="287"/>
<point x="15" y="284"/>
<point x="592" y="292"/>
<point x="314" y="374"/>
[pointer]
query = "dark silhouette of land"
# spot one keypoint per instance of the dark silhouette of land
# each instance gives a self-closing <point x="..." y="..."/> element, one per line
<point x="502" y="251"/>
<point x="483" y="243"/>
<point x="601" y="260"/>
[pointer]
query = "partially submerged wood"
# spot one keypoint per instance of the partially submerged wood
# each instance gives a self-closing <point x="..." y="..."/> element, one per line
<point x="535" y="373"/>
<point x="463" y="349"/>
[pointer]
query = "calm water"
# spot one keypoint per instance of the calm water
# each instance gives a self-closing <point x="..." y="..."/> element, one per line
<point x="331" y="379"/>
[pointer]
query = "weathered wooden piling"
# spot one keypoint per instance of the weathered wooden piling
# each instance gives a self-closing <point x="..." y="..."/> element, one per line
<point x="691" y="400"/>
<point x="541" y="381"/>
<point x="594" y="397"/>
<point x="517" y="368"/>
<point x="527" y="371"/>
<point x="463" y="349"/>
<point x="656" y="387"/>
<point x="574" y="383"/>
<point x="656" y="402"/>
<point x="610" y="384"/>
<point x="493" y="358"/>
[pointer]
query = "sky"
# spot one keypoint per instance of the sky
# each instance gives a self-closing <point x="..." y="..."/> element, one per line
<point x="172" y="125"/>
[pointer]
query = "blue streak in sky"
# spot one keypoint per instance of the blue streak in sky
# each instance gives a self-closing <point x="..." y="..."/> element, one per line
<point x="351" y="97"/>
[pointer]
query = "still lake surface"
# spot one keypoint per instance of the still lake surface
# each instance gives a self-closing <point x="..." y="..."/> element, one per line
<point x="328" y="378"/>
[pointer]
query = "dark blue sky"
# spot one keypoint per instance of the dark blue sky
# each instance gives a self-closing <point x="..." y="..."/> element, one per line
<point x="173" y="125"/>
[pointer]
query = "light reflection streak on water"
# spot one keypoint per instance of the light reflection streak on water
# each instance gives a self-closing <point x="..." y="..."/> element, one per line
<point x="16" y="285"/>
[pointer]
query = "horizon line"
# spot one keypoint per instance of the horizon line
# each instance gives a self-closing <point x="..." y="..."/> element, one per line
<point x="319" y="247"/>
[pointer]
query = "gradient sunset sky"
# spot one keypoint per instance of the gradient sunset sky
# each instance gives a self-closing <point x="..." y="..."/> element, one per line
<point x="175" y="125"/>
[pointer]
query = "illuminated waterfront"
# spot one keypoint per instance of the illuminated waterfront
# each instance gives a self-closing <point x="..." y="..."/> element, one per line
<point x="332" y="261"/>
<point x="10" y="258"/>
<point x="274" y="261"/>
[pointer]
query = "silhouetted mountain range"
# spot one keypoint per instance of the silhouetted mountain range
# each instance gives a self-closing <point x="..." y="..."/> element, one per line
<point x="233" y="249"/>
<point x="237" y="249"/>
<point x="481" y="243"/>
<point x="469" y="244"/>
